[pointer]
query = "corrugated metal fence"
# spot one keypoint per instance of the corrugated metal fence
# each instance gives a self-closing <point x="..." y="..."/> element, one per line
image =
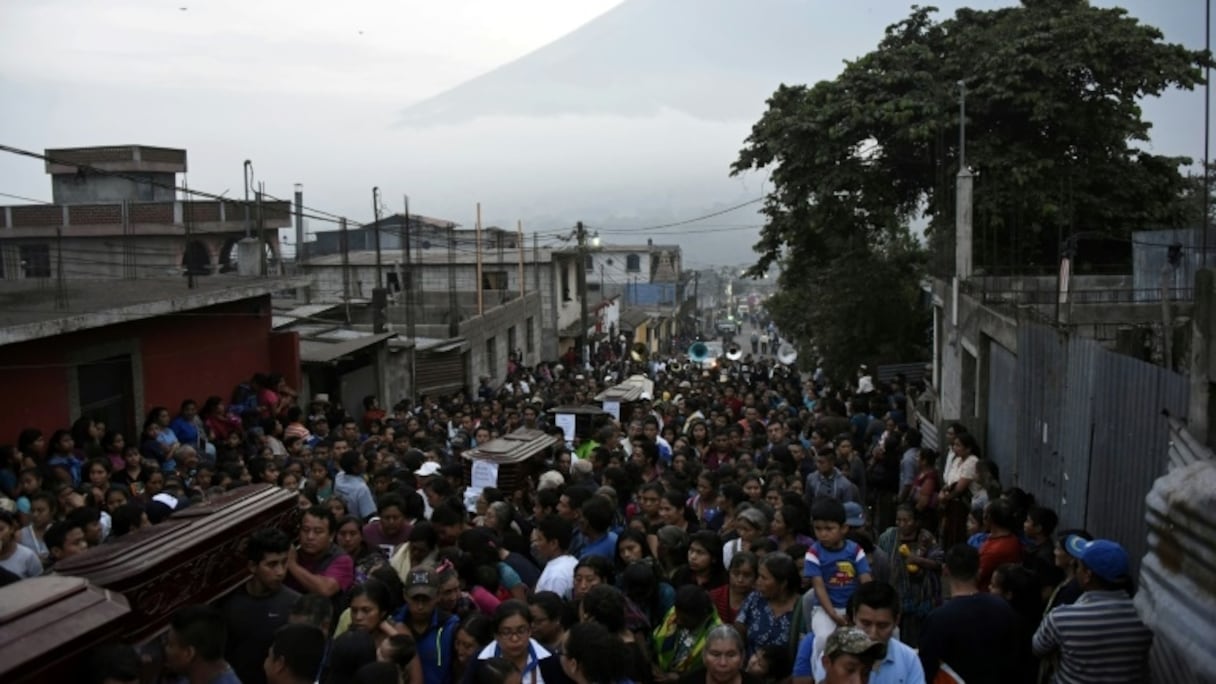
<point x="1091" y="433"/>
<point x="1002" y="420"/>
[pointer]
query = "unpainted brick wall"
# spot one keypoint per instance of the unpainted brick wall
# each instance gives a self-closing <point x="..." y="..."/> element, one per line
<point x="152" y="212"/>
<point x="37" y="216"/>
<point x="94" y="214"/>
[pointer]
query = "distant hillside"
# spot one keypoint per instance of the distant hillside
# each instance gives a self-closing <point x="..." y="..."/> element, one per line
<point x="712" y="59"/>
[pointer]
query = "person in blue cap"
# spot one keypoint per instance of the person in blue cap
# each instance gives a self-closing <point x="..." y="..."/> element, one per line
<point x="1101" y="637"/>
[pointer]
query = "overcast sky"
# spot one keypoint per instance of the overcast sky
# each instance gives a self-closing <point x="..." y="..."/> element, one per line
<point x="314" y="92"/>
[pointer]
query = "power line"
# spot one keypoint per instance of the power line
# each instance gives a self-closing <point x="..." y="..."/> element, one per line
<point x="329" y="218"/>
<point x="685" y="221"/>
<point x="24" y="199"/>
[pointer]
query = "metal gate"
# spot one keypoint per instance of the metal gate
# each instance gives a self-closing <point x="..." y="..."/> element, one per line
<point x="1002" y="409"/>
<point x="1129" y="444"/>
<point x="1041" y="365"/>
<point x="440" y="372"/>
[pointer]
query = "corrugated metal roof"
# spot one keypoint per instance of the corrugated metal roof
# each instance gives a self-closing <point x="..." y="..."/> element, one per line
<point x="318" y="351"/>
<point x="282" y="319"/>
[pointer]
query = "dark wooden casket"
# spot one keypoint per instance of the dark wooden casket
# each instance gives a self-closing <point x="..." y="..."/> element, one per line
<point x="196" y="556"/>
<point x="49" y="624"/>
<point x="587" y="419"/>
<point x="518" y="455"/>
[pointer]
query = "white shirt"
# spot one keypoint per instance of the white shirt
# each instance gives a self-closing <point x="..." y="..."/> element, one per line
<point x="558" y="576"/>
<point x="536" y="653"/>
<point x="963" y="469"/>
<point x="23" y="563"/>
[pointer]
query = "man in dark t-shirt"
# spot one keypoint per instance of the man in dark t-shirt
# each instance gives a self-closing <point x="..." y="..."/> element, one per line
<point x="259" y="606"/>
<point x="975" y="634"/>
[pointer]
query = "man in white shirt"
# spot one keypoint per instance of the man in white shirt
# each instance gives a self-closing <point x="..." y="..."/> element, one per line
<point x="551" y="546"/>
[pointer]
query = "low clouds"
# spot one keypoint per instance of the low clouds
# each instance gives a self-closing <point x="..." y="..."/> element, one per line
<point x="616" y="131"/>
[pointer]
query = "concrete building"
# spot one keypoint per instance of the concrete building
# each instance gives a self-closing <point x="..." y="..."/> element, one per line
<point x="113" y="349"/>
<point x="427" y="235"/>
<point x="612" y="269"/>
<point x="446" y="288"/>
<point x="116" y="213"/>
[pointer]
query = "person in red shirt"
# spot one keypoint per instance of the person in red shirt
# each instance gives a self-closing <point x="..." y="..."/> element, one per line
<point x="1002" y="545"/>
<point x="729" y="597"/>
<point x="318" y="565"/>
<point x="732" y="401"/>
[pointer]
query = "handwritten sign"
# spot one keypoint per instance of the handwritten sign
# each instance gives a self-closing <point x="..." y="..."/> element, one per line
<point x="485" y="474"/>
<point x="614" y="408"/>
<point x="565" y="421"/>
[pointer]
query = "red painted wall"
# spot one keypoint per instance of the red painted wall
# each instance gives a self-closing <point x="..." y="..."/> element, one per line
<point x="194" y="354"/>
<point x="205" y="352"/>
<point x="285" y="357"/>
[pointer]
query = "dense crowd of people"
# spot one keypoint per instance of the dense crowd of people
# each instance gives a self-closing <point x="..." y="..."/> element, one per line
<point x="743" y="523"/>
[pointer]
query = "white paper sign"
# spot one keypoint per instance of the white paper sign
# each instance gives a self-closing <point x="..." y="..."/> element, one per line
<point x="470" y="499"/>
<point x="485" y="474"/>
<point x="614" y="408"/>
<point x="565" y="421"/>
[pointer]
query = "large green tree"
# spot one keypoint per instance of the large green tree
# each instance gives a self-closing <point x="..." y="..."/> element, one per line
<point x="1054" y="128"/>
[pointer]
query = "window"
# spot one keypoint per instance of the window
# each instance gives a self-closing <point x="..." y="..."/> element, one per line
<point x="511" y="340"/>
<point x="633" y="263"/>
<point x="588" y="263"/>
<point x="36" y="261"/>
<point x="492" y="358"/>
<point x="565" y="275"/>
<point x="494" y="280"/>
<point x="529" y="337"/>
<point x="392" y="282"/>
<point x="593" y="287"/>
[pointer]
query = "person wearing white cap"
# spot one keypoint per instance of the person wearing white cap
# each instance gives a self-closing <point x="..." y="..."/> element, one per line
<point x="421" y="476"/>
<point x="1101" y="637"/>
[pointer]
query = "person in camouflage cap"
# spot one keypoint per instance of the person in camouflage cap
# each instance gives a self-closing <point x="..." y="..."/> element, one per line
<point x="849" y="655"/>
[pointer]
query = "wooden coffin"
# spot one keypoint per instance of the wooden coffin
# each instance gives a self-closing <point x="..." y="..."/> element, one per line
<point x="196" y="556"/>
<point x="516" y="455"/>
<point x="49" y="624"/>
<point x="587" y="419"/>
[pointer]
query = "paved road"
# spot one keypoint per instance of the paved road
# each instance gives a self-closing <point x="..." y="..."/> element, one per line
<point x="743" y="339"/>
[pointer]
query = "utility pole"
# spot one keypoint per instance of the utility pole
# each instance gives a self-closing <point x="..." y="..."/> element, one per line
<point x="379" y="296"/>
<point x="344" y="239"/>
<point x="411" y="316"/>
<point x="964" y="185"/>
<point x="453" y="301"/>
<point x="519" y="241"/>
<point x="248" y="171"/>
<point x="263" y="268"/>
<point x="299" y="223"/>
<point x="187" y="220"/>
<point x="583" y="340"/>
<point x="376" y="230"/>
<point x="536" y="262"/>
<point x="480" y="294"/>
